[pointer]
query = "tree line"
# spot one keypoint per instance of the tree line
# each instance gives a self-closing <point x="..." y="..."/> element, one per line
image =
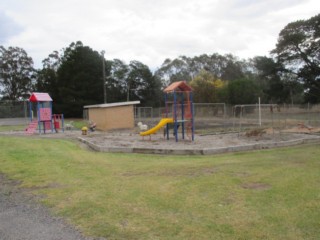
<point x="74" y="75"/>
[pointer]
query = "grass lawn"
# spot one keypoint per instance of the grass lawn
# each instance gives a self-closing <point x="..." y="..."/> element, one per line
<point x="76" y="123"/>
<point x="271" y="194"/>
<point x="6" y="128"/>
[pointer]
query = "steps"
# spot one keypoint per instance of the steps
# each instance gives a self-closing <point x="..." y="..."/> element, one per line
<point x="32" y="127"/>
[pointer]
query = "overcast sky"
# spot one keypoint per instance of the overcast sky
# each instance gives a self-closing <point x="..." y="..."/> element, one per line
<point x="149" y="31"/>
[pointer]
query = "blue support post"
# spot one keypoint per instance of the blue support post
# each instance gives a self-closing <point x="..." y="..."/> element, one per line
<point x="175" y="115"/>
<point x="38" y="117"/>
<point x="166" y="103"/>
<point x="192" y="117"/>
<point x="182" y="114"/>
<point x="51" y="117"/>
<point x="30" y="111"/>
<point x="43" y="122"/>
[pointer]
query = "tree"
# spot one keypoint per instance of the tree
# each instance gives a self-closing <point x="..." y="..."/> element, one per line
<point x="227" y="67"/>
<point x="47" y="77"/>
<point x="243" y="91"/>
<point x="175" y="70"/>
<point x="79" y="79"/>
<point x="232" y="68"/>
<point x="298" y="49"/>
<point x="118" y="82"/>
<point x="268" y="74"/>
<point x="206" y="87"/>
<point x="143" y="85"/>
<point x="134" y="82"/>
<point x="16" y="73"/>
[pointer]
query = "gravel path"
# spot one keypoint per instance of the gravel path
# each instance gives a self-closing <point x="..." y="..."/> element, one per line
<point x="22" y="218"/>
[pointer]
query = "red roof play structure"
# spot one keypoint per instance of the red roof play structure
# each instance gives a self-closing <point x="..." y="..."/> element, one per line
<point x="42" y="118"/>
<point x="181" y="86"/>
<point x="40" y="97"/>
<point x="181" y="106"/>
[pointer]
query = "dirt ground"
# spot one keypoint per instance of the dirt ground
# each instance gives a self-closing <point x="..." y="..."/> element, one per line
<point x="158" y="141"/>
<point x="132" y="139"/>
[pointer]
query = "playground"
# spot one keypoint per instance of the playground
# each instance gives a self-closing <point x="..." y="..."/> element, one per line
<point x="129" y="141"/>
<point x="253" y="195"/>
<point x="176" y="132"/>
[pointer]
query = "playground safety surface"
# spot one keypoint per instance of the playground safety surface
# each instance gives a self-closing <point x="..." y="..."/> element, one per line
<point x="129" y="141"/>
<point x="202" y="145"/>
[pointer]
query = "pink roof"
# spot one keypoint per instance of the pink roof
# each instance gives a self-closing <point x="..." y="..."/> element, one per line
<point x="40" y="97"/>
<point x="179" y="86"/>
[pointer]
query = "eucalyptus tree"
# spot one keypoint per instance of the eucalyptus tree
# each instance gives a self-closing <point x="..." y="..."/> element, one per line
<point x="232" y="68"/>
<point x="174" y="70"/>
<point x="47" y="77"/>
<point x="17" y="74"/>
<point x="144" y="86"/>
<point x="134" y="81"/>
<point x="118" y="82"/>
<point x="226" y="67"/>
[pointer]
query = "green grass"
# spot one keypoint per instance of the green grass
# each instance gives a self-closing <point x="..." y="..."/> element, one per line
<point x="6" y="128"/>
<point x="76" y="123"/>
<point x="272" y="194"/>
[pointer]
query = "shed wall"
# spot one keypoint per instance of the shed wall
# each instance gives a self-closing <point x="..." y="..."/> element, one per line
<point x="112" y="117"/>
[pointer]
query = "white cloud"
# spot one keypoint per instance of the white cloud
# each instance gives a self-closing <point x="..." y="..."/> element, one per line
<point x="8" y="27"/>
<point x="150" y="31"/>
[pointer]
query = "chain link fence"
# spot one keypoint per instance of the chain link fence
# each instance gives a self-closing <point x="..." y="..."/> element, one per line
<point x="209" y="117"/>
<point x="13" y="109"/>
<point x="13" y="112"/>
<point x="222" y="118"/>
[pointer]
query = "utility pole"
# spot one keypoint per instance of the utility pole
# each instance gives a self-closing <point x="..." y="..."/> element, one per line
<point x="104" y="78"/>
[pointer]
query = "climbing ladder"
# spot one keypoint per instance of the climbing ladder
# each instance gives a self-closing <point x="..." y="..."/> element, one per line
<point x="32" y="127"/>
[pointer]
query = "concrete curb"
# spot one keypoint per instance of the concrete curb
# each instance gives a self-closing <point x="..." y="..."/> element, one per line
<point x="204" y="151"/>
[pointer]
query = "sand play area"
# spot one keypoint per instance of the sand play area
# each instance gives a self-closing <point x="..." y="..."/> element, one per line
<point x="129" y="141"/>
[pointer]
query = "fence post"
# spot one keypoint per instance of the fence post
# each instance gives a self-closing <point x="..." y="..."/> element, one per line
<point x="308" y="113"/>
<point x="25" y="108"/>
<point x="259" y="113"/>
<point x="240" y="120"/>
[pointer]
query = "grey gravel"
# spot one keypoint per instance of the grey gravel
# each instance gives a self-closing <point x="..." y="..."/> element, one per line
<point x="23" y="218"/>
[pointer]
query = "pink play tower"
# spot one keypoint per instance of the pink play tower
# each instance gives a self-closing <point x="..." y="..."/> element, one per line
<point x="44" y="120"/>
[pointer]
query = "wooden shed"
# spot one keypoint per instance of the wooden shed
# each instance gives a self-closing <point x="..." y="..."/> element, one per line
<point x="111" y="116"/>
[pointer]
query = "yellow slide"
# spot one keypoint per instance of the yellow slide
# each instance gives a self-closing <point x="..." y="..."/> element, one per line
<point x="153" y="130"/>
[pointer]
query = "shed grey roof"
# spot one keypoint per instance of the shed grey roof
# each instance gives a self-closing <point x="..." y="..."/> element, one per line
<point x="108" y="105"/>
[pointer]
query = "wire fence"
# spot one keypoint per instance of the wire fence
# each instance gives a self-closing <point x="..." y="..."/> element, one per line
<point x="13" y="112"/>
<point x="13" y="109"/>
<point x="220" y="117"/>
<point x="208" y="117"/>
